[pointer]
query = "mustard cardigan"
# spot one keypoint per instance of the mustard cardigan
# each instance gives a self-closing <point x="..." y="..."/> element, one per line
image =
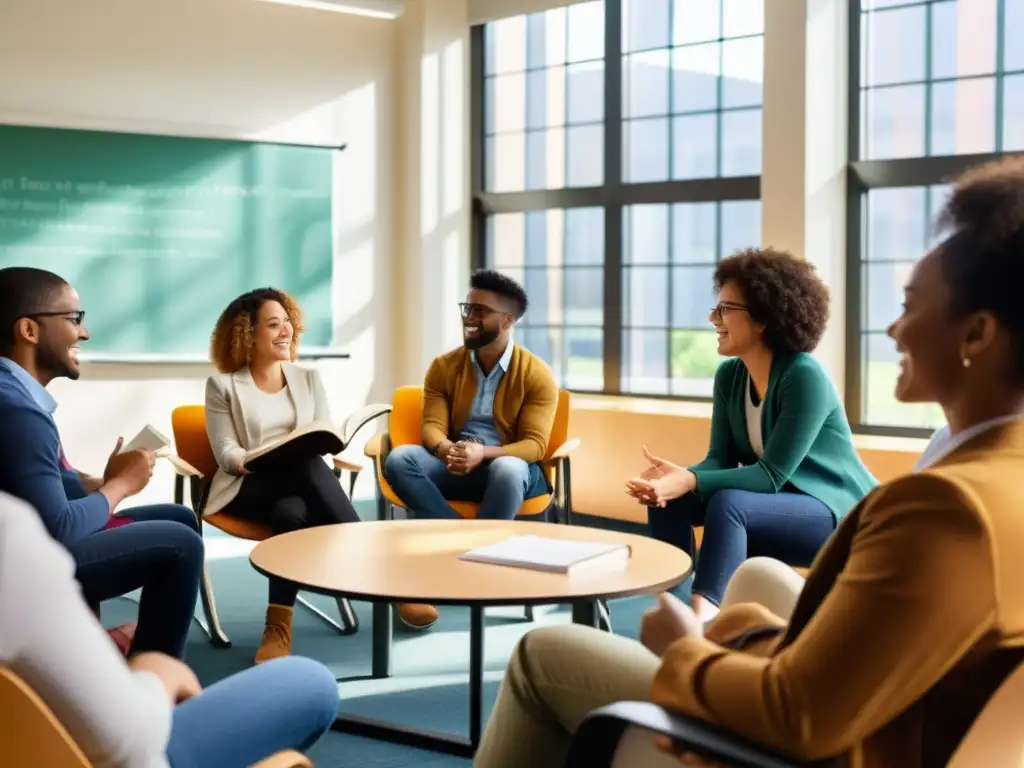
<point x="524" y="403"/>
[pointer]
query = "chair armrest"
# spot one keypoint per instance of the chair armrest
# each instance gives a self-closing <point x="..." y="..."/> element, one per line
<point x="565" y="449"/>
<point x="373" y="446"/>
<point x="598" y="737"/>
<point x="287" y="759"/>
<point x="347" y="464"/>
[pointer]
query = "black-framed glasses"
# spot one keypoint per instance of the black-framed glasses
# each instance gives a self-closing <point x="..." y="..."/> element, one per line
<point x="725" y="307"/>
<point x="76" y="316"/>
<point x="476" y="310"/>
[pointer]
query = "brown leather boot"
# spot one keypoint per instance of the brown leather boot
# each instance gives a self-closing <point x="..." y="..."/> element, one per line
<point x="417" y="615"/>
<point x="277" y="635"/>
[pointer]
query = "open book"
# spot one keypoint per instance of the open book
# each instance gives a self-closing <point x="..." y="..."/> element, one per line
<point x="553" y="555"/>
<point x="151" y="439"/>
<point x="317" y="438"/>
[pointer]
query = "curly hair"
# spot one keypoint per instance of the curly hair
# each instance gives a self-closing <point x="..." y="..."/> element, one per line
<point x="983" y="257"/>
<point x="233" y="337"/>
<point x="783" y="293"/>
<point x="502" y="285"/>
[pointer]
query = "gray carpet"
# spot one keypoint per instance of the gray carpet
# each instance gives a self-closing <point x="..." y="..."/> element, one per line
<point x="429" y="687"/>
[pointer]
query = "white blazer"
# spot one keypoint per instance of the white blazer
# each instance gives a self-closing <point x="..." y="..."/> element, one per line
<point x="234" y="426"/>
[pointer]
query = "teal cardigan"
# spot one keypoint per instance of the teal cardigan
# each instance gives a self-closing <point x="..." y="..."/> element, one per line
<point x="808" y="445"/>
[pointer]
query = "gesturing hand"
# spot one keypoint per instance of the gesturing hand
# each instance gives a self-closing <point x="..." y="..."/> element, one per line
<point x="661" y="482"/>
<point x="668" y="621"/>
<point x="464" y="456"/>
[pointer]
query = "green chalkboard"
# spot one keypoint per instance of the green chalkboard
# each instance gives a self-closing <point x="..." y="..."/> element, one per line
<point x="159" y="233"/>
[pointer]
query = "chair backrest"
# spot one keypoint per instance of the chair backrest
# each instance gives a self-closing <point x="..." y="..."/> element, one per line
<point x="996" y="738"/>
<point x="188" y="424"/>
<point x="407" y="413"/>
<point x="30" y="734"/>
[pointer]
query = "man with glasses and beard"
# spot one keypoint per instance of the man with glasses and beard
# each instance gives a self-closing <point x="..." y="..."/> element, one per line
<point x="155" y="547"/>
<point x="488" y="409"/>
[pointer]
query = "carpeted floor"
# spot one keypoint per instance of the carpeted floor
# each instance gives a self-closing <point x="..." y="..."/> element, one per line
<point x="429" y="687"/>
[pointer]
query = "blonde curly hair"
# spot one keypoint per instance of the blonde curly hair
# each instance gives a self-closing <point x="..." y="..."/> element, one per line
<point x="233" y="337"/>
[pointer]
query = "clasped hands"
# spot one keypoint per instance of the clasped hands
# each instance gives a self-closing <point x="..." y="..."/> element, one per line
<point x="464" y="456"/>
<point x="661" y="482"/>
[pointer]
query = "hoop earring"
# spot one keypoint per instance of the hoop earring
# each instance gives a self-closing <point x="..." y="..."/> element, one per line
<point x="967" y="362"/>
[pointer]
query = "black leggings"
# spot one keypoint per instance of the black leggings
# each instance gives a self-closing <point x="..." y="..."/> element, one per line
<point x="306" y="495"/>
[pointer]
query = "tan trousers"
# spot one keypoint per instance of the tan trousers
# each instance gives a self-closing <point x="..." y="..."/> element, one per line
<point x="557" y="675"/>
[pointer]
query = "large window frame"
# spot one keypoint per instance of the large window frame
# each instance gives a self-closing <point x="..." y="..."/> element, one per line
<point x="863" y="176"/>
<point x="613" y="196"/>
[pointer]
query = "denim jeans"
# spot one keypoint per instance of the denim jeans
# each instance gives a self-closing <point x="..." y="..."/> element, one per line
<point x="424" y="483"/>
<point x="285" y="703"/>
<point x="790" y="527"/>
<point x="161" y="551"/>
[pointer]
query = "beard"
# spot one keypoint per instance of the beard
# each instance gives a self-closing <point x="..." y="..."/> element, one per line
<point x="482" y="339"/>
<point x="54" y="364"/>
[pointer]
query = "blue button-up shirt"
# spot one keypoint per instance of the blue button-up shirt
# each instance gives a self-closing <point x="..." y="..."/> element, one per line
<point x="43" y="398"/>
<point x="481" y="416"/>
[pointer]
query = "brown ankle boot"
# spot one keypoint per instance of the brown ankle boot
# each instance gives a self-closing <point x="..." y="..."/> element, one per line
<point x="277" y="635"/>
<point x="417" y="616"/>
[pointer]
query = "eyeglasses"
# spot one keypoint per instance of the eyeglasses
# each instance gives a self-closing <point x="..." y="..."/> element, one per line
<point x="77" y="316"/>
<point x="726" y="307"/>
<point x="477" y="310"/>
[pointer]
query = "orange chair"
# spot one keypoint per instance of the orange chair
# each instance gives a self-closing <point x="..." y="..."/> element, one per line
<point x="30" y="734"/>
<point x="404" y="429"/>
<point x="188" y="423"/>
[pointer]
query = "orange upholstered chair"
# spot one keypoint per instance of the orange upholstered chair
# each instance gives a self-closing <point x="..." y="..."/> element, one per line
<point x="188" y="423"/>
<point x="404" y="429"/>
<point x="31" y="735"/>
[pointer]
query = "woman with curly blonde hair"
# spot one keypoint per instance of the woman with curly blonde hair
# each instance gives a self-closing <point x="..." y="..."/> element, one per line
<point x="258" y="396"/>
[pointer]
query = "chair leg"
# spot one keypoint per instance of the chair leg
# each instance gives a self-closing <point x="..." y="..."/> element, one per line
<point x="350" y="623"/>
<point x="352" y="477"/>
<point x="529" y="612"/>
<point x="212" y="626"/>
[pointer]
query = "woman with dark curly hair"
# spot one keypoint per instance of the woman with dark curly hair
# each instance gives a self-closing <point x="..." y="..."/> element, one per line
<point x="912" y="616"/>
<point x="258" y="396"/>
<point x="781" y="470"/>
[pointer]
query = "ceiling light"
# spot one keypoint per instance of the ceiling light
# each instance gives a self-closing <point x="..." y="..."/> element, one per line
<point x="377" y="9"/>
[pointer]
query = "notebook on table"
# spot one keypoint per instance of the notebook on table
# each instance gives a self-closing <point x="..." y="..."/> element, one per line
<point x="552" y="555"/>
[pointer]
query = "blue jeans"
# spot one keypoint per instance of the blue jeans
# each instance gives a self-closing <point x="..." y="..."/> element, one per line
<point x="790" y="527"/>
<point x="161" y="552"/>
<point x="424" y="483"/>
<point x="285" y="703"/>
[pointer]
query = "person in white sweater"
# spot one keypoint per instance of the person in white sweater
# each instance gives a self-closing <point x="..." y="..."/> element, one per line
<point x="149" y="711"/>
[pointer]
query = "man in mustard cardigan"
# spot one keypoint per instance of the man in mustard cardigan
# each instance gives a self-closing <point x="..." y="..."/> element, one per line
<point x="488" y="408"/>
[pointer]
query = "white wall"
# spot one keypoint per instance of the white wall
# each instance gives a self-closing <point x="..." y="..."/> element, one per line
<point x="232" y="69"/>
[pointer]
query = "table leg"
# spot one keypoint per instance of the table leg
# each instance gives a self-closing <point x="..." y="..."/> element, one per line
<point x="476" y="674"/>
<point x="383" y="621"/>
<point x="592" y="613"/>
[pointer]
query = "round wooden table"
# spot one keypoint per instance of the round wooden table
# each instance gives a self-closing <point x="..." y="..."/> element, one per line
<point x="416" y="561"/>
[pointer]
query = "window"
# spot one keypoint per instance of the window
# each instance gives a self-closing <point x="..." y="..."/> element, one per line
<point x="938" y="87"/>
<point x="617" y="159"/>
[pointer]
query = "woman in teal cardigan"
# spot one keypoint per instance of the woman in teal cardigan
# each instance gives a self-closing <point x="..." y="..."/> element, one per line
<point x="781" y="470"/>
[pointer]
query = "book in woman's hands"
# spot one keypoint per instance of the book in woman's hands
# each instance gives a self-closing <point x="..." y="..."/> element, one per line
<point x="317" y="438"/>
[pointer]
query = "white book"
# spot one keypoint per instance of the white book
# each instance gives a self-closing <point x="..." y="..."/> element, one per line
<point x="553" y="555"/>
<point x="153" y="440"/>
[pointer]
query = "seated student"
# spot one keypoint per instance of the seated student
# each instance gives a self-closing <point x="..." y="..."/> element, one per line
<point x="258" y="396"/>
<point x="488" y="409"/>
<point x="781" y="470"/>
<point x="159" y="550"/>
<point x="149" y="711"/>
<point x="911" y="616"/>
